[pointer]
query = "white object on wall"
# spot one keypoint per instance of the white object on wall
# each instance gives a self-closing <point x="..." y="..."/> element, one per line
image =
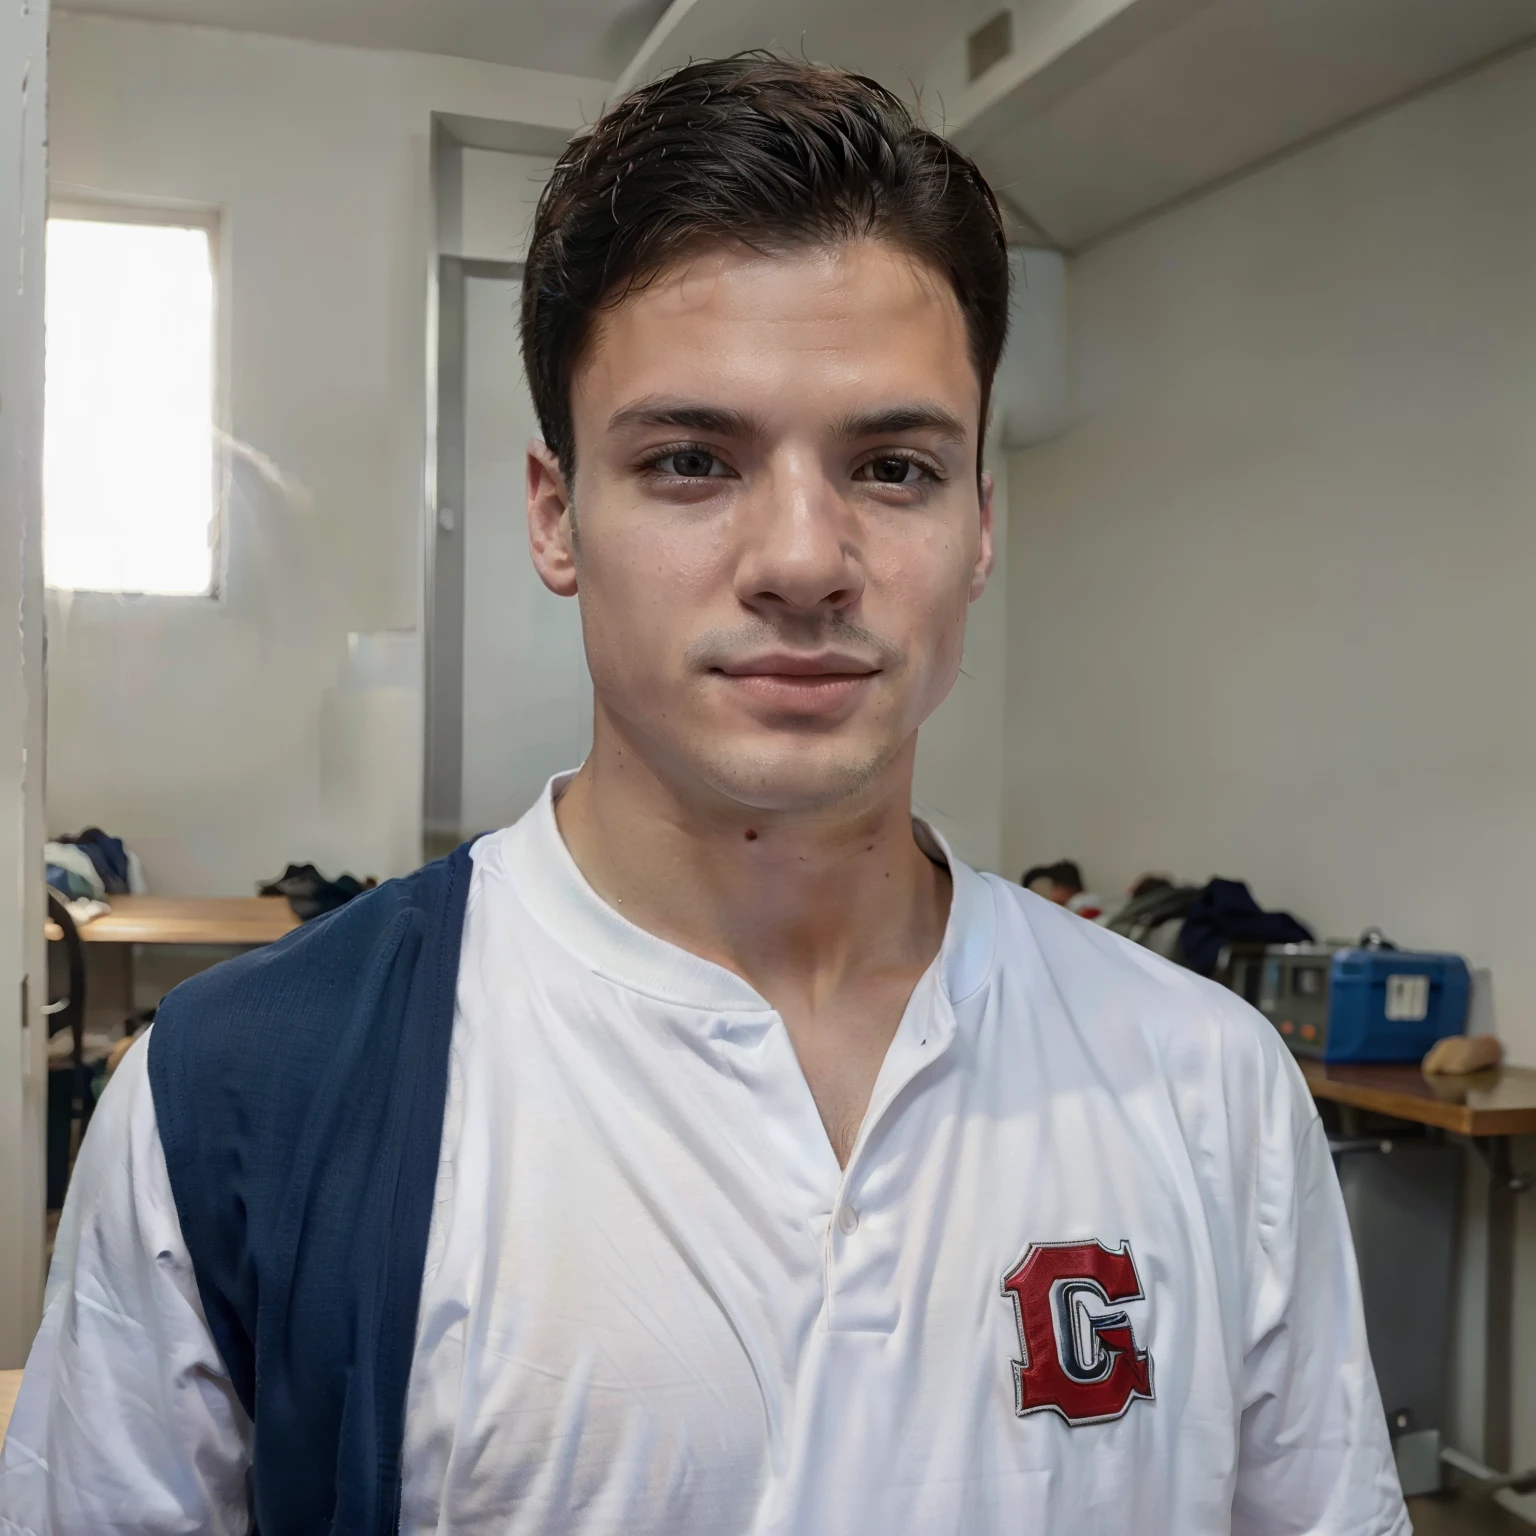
<point x="1029" y="395"/>
<point x="372" y="809"/>
<point x="370" y="727"/>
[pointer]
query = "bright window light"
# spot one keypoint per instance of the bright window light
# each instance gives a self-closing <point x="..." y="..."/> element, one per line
<point x="128" y="413"/>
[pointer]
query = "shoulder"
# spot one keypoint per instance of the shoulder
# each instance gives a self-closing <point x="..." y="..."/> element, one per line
<point x="265" y="1021"/>
<point x="1081" y="955"/>
<point x="326" y="947"/>
<point x="1216" y="1056"/>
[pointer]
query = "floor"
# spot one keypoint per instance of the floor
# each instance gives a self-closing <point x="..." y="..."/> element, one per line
<point x="1465" y="1516"/>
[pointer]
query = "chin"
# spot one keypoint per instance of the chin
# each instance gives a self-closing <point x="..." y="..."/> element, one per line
<point x="794" y="774"/>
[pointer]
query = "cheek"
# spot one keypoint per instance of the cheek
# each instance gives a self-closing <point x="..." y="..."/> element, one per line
<point x="643" y="595"/>
<point x="926" y="590"/>
<point x="928" y="601"/>
<point x="949" y="644"/>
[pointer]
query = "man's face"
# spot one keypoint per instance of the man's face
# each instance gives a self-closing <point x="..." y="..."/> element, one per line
<point x="777" y="522"/>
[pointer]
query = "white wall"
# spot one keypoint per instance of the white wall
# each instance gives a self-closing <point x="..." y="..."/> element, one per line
<point x="23" y="973"/>
<point x="1271" y="606"/>
<point x="961" y="776"/>
<point x="527" y="692"/>
<point x="195" y="729"/>
<point x="958" y="785"/>
<point x="1272" y="598"/>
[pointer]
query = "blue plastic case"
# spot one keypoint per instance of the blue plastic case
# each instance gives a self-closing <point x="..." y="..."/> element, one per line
<point x="1392" y="1004"/>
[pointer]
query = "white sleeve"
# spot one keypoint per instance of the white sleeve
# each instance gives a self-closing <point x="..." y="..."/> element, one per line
<point x="126" y="1420"/>
<point x="1314" y="1457"/>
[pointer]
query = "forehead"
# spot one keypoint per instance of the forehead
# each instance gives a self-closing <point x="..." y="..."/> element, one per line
<point x="788" y="333"/>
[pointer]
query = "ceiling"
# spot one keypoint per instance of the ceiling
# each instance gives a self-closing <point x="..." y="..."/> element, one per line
<point x="1230" y="84"/>
<point x="1109" y="109"/>
<point x="594" y="38"/>
<point x="1104" y="111"/>
<point x="907" y="44"/>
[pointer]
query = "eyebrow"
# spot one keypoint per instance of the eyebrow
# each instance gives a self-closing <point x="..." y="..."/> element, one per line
<point x="891" y="421"/>
<point x="716" y="420"/>
<point x="723" y="421"/>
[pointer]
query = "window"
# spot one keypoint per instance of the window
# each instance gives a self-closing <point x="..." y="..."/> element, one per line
<point x="129" y="493"/>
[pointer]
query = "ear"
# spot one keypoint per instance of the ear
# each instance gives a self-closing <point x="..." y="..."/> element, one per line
<point x="983" y="567"/>
<point x="551" y="535"/>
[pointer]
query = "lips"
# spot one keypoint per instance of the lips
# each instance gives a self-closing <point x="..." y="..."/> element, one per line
<point x="799" y="684"/>
<point x="798" y="664"/>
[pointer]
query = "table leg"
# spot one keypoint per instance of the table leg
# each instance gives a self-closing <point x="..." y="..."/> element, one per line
<point x="1499" y="1309"/>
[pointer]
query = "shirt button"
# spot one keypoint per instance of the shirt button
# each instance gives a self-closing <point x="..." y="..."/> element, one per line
<point x="847" y="1221"/>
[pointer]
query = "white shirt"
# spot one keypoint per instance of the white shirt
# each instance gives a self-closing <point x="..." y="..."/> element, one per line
<point x="1087" y="1270"/>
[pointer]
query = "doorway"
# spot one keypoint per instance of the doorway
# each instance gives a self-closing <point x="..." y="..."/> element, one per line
<point x="509" y="700"/>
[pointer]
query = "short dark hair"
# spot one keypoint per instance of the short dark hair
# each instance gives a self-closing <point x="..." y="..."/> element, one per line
<point x="769" y="151"/>
<point x="1063" y="873"/>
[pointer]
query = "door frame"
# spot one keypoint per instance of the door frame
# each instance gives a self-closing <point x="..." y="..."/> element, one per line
<point x="23" y="959"/>
<point x="443" y="776"/>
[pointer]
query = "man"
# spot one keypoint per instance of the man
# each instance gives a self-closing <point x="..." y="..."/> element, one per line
<point x="711" y="1151"/>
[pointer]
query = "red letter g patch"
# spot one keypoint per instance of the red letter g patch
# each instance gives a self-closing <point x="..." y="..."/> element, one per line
<point x="1080" y="1356"/>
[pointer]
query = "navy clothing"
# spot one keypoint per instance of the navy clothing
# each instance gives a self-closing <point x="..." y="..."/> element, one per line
<point x="1226" y="913"/>
<point x="303" y="1080"/>
<point x="109" y="857"/>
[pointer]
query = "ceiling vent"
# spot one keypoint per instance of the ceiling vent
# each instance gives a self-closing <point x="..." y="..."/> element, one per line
<point x="990" y="42"/>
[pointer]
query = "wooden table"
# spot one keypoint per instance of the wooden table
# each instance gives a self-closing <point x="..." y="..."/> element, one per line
<point x="1489" y="1108"/>
<point x="220" y="922"/>
<point x="223" y="920"/>
<point x="1498" y="1102"/>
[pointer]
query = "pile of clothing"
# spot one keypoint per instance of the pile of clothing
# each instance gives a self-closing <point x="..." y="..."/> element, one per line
<point x="89" y="867"/>
<point x="1189" y="924"/>
<point x="310" y="894"/>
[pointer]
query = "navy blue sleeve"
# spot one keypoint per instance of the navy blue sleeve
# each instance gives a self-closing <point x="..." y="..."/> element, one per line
<point x="299" y="1092"/>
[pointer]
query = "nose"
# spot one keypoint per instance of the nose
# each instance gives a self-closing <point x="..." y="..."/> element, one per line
<point x="800" y="553"/>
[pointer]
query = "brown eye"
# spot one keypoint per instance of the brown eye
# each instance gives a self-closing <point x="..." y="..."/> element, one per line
<point x="890" y="471"/>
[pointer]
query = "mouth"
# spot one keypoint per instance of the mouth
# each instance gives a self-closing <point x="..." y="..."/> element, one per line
<point x="797" y="683"/>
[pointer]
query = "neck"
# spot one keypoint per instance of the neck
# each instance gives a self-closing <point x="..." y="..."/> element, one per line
<point x="796" y="902"/>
